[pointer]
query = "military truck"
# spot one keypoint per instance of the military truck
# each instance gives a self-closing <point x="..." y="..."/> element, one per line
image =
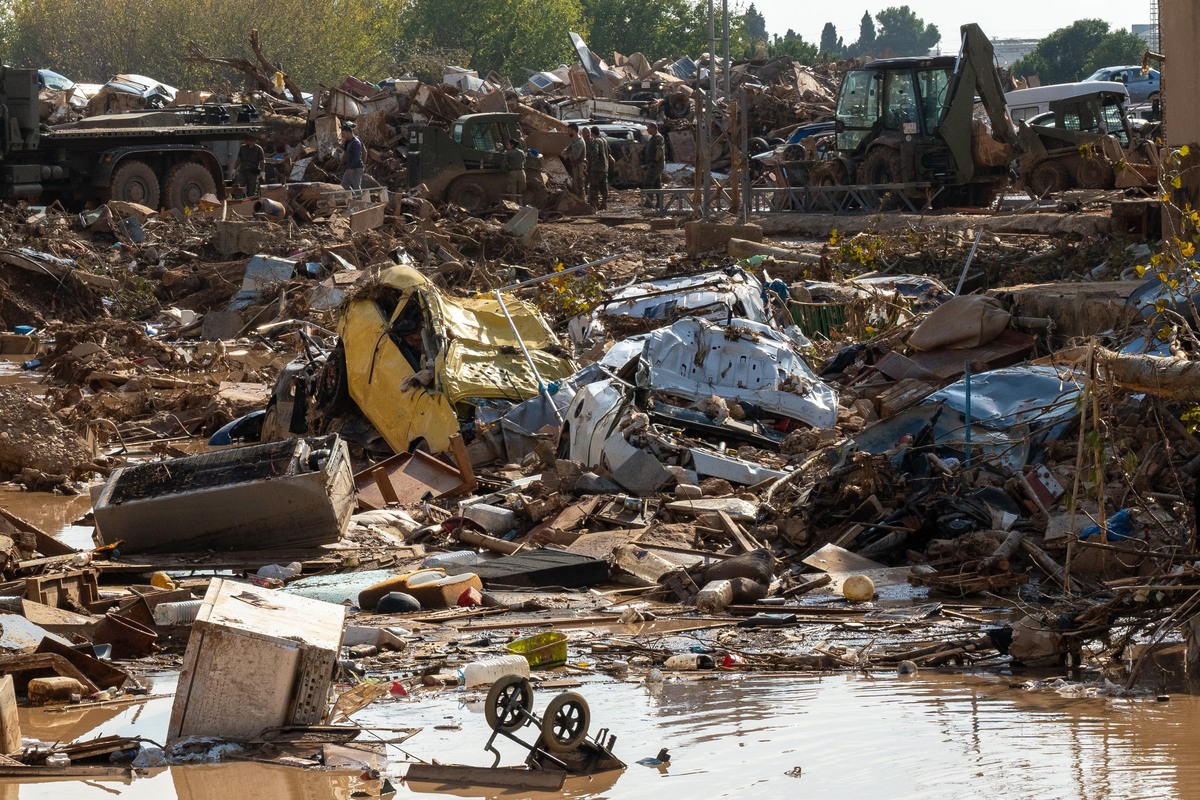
<point x="912" y="121"/>
<point x="465" y="166"/>
<point x="166" y="158"/>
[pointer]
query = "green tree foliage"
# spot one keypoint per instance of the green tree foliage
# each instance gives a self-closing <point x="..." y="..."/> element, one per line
<point x="507" y="37"/>
<point x="791" y="44"/>
<point x="1076" y="51"/>
<point x="903" y="33"/>
<point x="92" y="40"/>
<point x="756" y="24"/>
<point x="661" y="29"/>
<point x="866" y="35"/>
<point x="831" y="44"/>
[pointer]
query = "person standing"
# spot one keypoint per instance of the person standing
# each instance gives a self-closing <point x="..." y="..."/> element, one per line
<point x="352" y="159"/>
<point x="514" y="171"/>
<point x="654" y="159"/>
<point x="251" y="163"/>
<point x="598" y="159"/>
<point x="575" y="160"/>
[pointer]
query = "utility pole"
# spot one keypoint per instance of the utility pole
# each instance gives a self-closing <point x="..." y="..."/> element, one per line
<point x="708" y="110"/>
<point x="725" y="49"/>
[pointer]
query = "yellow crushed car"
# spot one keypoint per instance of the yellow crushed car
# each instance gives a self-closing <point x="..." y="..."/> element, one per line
<point x="413" y="366"/>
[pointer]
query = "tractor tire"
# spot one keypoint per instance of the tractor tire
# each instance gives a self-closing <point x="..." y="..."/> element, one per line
<point x="187" y="183"/>
<point x="1048" y="177"/>
<point x="829" y="173"/>
<point x="468" y="194"/>
<point x="881" y="166"/>
<point x="1095" y="173"/>
<point x="135" y="181"/>
<point x="678" y="105"/>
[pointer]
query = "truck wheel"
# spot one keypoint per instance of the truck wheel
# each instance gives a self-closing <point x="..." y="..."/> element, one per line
<point x="882" y="166"/>
<point x="1048" y="177"/>
<point x="1095" y="173"/>
<point x="187" y="183"/>
<point x="135" y="182"/>
<point x="469" y="195"/>
<point x="678" y="105"/>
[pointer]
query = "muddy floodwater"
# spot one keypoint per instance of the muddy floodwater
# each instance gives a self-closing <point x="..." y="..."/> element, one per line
<point x="762" y="737"/>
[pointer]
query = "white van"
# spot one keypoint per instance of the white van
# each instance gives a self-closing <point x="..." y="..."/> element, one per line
<point x="1026" y="103"/>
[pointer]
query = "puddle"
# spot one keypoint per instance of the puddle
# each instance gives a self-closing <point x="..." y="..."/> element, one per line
<point x="849" y="736"/>
<point x="12" y="373"/>
<point x="51" y="513"/>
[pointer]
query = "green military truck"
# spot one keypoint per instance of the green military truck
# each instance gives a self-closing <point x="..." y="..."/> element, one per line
<point x="168" y="158"/>
<point x="465" y="166"/>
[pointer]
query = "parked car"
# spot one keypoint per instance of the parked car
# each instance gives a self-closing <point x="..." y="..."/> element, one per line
<point x="1142" y="86"/>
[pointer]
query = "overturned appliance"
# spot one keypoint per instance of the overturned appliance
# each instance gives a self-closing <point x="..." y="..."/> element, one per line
<point x="291" y="494"/>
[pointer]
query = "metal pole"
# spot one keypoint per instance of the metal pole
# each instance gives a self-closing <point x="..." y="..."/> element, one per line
<point x="708" y="108"/>
<point x="970" y="256"/>
<point x="967" y="432"/>
<point x="725" y="48"/>
<point x="744" y="119"/>
<point x="567" y="271"/>
<point x="542" y="389"/>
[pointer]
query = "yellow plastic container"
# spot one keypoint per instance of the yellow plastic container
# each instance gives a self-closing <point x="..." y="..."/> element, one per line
<point x="542" y="650"/>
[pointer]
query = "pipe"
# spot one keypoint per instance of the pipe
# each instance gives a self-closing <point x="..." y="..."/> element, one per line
<point x="542" y="389"/>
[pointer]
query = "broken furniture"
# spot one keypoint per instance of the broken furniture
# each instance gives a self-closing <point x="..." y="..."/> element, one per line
<point x="257" y="659"/>
<point x="294" y="493"/>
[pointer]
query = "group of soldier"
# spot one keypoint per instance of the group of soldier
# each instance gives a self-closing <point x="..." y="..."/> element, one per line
<point x="588" y="158"/>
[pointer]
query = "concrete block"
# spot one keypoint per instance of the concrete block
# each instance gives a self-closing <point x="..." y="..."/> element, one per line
<point x="707" y="237"/>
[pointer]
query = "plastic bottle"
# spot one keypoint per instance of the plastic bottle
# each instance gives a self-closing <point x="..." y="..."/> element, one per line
<point x="690" y="661"/>
<point x="58" y="760"/>
<point x="465" y="557"/>
<point x="715" y="597"/>
<point x="280" y="573"/>
<point x="168" y="614"/>
<point x="487" y="671"/>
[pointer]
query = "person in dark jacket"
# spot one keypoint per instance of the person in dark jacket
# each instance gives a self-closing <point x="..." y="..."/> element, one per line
<point x="352" y="159"/>
<point x="251" y="163"/>
<point x="654" y="160"/>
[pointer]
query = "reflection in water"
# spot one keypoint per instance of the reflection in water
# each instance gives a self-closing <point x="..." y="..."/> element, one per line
<point x="736" y="737"/>
<point x="51" y="513"/>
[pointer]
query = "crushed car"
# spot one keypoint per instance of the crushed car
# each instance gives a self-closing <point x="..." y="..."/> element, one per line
<point x="413" y="366"/>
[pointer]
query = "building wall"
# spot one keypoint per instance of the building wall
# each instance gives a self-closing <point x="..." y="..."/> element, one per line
<point x="1179" y="22"/>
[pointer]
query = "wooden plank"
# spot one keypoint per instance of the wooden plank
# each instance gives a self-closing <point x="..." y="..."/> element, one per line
<point x="10" y="721"/>
<point x="540" y="780"/>
<point x="744" y="539"/>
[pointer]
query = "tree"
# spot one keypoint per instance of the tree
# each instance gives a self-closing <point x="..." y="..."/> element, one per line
<point x="756" y="24"/>
<point x="831" y="43"/>
<point x="866" y="34"/>
<point x="1074" y="52"/>
<point x="903" y="33"/>
<point x="508" y="37"/>
<point x="662" y="29"/>
<point x="92" y="40"/>
<point x="791" y="44"/>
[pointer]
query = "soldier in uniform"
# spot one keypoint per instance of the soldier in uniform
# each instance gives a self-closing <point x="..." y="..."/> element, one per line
<point x="598" y="159"/>
<point x="514" y="171"/>
<point x="575" y="160"/>
<point x="654" y="159"/>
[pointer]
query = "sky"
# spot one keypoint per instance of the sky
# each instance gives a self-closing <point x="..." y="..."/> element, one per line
<point x="1008" y="19"/>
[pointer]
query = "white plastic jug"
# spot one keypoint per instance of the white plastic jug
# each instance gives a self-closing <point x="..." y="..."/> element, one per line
<point x="487" y="671"/>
